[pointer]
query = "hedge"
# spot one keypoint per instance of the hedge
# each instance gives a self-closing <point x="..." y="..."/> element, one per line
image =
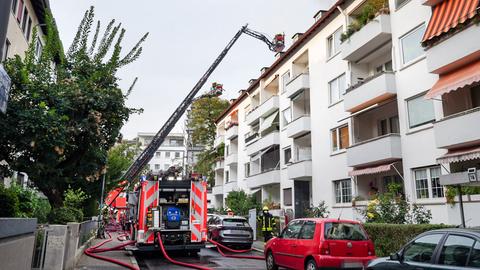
<point x="390" y="238"/>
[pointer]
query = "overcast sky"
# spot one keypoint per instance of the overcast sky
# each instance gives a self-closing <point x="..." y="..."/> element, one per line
<point x="185" y="37"/>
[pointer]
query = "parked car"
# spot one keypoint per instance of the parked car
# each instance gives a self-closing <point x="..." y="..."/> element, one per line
<point x="230" y="231"/>
<point x="312" y="243"/>
<point x="438" y="249"/>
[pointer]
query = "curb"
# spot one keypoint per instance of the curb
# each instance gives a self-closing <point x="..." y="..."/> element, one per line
<point x="133" y="260"/>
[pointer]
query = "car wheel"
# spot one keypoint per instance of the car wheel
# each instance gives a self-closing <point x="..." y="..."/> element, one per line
<point x="311" y="265"/>
<point x="270" y="261"/>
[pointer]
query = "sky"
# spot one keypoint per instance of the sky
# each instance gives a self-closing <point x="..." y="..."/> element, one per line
<point x="185" y="37"/>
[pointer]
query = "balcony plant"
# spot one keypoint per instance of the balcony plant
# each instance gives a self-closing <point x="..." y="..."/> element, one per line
<point x="369" y="11"/>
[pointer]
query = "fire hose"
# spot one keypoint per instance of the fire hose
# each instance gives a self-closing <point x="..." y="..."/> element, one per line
<point x="162" y="248"/>
<point x="220" y="246"/>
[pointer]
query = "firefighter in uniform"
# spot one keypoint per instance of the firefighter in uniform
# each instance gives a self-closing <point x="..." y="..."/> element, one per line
<point x="230" y="212"/>
<point x="267" y="223"/>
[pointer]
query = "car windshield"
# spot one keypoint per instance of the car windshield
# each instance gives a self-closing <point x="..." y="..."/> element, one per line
<point x="236" y="222"/>
<point x="344" y="231"/>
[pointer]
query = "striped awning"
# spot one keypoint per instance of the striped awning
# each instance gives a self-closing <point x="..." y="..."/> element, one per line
<point x="449" y="14"/>
<point x="371" y="170"/>
<point x="460" y="155"/>
<point x="456" y="79"/>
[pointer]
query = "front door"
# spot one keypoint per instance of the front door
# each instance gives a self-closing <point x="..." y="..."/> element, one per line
<point x="302" y="197"/>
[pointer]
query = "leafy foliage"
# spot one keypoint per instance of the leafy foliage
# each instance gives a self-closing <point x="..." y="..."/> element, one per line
<point x="119" y="159"/>
<point x="204" y="112"/>
<point x="319" y="211"/>
<point x="75" y="198"/>
<point x="368" y="12"/>
<point x="240" y="202"/>
<point x="389" y="238"/>
<point x="9" y="202"/>
<point x="16" y="201"/>
<point x="63" y="215"/>
<point x="452" y="192"/>
<point x="392" y="207"/>
<point x="62" y="118"/>
<point x="206" y="162"/>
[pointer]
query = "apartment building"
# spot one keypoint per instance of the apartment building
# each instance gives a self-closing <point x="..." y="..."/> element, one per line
<point x="170" y="153"/>
<point x="343" y="113"/>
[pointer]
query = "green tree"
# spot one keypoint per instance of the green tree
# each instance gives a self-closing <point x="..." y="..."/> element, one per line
<point x="206" y="162"/>
<point x="204" y="112"/>
<point x="119" y="159"/>
<point x="63" y="118"/>
<point x="240" y="202"/>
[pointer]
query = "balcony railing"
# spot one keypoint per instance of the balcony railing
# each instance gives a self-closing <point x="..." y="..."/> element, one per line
<point x="266" y="108"/>
<point x="299" y="126"/>
<point x="374" y="151"/>
<point x="458" y="130"/>
<point x="299" y="83"/>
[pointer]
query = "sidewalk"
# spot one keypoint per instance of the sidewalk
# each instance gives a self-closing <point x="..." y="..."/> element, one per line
<point x="258" y="245"/>
<point x="87" y="262"/>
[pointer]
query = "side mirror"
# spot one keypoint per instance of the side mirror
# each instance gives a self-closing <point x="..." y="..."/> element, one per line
<point x="395" y="257"/>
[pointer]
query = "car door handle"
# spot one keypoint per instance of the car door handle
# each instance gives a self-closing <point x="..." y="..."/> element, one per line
<point x="293" y="245"/>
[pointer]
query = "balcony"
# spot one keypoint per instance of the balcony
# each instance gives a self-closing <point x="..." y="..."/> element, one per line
<point x="371" y="91"/>
<point x="301" y="170"/>
<point x="232" y="132"/>
<point x="460" y="48"/>
<point x="458" y="178"/>
<point x="218" y="140"/>
<point x="374" y="151"/>
<point x="231" y="159"/>
<point x="219" y="165"/>
<point x="372" y="36"/>
<point x="262" y="143"/>
<point x="458" y="130"/>
<point x="217" y="190"/>
<point x="263" y="179"/>
<point x="229" y="186"/>
<point x="266" y="108"/>
<point x="299" y="127"/>
<point x="298" y="84"/>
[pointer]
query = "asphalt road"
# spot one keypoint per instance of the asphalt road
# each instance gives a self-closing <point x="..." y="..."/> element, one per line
<point x="208" y="257"/>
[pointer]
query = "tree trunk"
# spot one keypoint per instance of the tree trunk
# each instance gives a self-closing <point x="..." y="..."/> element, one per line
<point x="54" y="197"/>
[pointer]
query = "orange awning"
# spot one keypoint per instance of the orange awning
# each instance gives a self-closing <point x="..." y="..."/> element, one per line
<point x="371" y="170"/>
<point x="448" y="14"/>
<point x="456" y="79"/>
<point x="460" y="155"/>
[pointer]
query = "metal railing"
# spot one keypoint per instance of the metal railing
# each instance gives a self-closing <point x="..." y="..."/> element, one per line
<point x="86" y="231"/>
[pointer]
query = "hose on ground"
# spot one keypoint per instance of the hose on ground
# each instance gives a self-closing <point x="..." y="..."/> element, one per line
<point x="220" y="246"/>
<point x="162" y="248"/>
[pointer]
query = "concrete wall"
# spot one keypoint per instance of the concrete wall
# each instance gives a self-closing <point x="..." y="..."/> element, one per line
<point x="17" y="237"/>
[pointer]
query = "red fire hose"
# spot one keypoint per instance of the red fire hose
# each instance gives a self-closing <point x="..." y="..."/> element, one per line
<point x="162" y="248"/>
<point x="220" y="246"/>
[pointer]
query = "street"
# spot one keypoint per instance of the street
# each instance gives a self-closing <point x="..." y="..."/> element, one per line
<point x="208" y="257"/>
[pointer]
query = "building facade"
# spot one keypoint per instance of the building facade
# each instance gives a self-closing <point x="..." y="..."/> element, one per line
<point x="344" y="113"/>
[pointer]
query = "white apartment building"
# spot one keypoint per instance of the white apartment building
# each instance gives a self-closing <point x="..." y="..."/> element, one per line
<point x="170" y="153"/>
<point x="338" y="121"/>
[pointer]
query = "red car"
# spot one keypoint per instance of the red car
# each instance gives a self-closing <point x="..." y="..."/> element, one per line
<point x="314" y="243"/>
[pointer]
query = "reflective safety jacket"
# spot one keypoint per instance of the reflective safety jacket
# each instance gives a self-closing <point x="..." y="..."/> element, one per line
<point x="267" y="222"/>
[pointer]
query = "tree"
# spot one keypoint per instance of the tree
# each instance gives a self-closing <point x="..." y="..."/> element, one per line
<point x="63" y="118"/>
<point x="204" y="112"/>
<point x="206" y="162"/>
<point x="120" y="157"/>
<point x="240" y="202"/>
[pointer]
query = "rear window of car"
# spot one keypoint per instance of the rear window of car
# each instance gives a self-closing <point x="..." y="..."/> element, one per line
<point x="235" y="222"/>
<point x="344" y="231"/>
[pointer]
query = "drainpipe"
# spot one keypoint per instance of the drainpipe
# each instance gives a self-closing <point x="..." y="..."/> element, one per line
<point x="460" y="199"/>
<point x="5" y="9"/>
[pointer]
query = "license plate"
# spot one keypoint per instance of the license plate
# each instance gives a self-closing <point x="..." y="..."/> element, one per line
<point x="237" y="232"/>
<point x="352" y="265"/>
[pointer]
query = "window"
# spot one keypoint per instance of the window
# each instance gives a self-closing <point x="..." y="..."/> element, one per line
<point x="475" y="256"/>
<point x="308" y="230"/>
<point x="344" y="231"/>
<point x="227" y="176"/>
<point x="167" y="154"/>
<point x="286" y="116"/>
<point x="157" y="166"/>
<point x="333" y="43"/>
<point x="14" y="6"/>
<point x="177" y="154"/>
<point x="287" y="196"/>
<point x="25" y="20"/>
<point x="176" y="142"/>
<point x="337" y="88"/>
<point x="388" y="125"/>
<point x="20" y="11"/>
<point x="227" y="150"/>
<point x="292" y="230"/>
<point x="5" y="50"/>
<point x="29" y="29"/>
<point x="285" y="80"/>
<point x="420" y="111"/>
<point x="166" y="166"/>
<point x="427" y="183"/>
<point x="455" y="251"/>
<point x="421" y="250"/>
<point x="400" y="3"/>
<point x="247" y="169"/>
<point x="287" y="155"/>
<point x="157" y="154"/>
<point x="343" y="191"/>
<point x="340" y="138"/>
<point x="386" y="67"/>
<point x="411" y="44"/>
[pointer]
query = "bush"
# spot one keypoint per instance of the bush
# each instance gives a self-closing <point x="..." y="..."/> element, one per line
<point x="9" y="203"/>
<point x="240" y="202"/>
<point x="63" y="215"/>
<point x="319" y="211"/>
<point x="389" y="238"/>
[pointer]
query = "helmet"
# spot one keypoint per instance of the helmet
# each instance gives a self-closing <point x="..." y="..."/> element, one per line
<point x="229" y="210"/>
<point x="265" y="208"/>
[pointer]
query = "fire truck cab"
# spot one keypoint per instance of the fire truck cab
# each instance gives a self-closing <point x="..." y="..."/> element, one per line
<point x="177" y="209"/>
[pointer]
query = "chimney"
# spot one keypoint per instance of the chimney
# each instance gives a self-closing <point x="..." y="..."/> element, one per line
<point x="279" y="54"/>
<point x="319" y="14"/>
<point x="296" y="37"/>
<point x="241" y="91"/>
<point x="252" y="81"/>
<point x="232" y="100"/>
<point x="263" y="70"/>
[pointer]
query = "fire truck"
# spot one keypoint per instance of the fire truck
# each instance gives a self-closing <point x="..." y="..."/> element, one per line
<point x="175" y="208"/>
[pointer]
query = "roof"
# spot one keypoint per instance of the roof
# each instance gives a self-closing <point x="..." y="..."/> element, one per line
<point x="448" y="15"/>
<point x="285" y="56"/>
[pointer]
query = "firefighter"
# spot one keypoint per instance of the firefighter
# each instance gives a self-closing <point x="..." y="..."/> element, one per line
<point x="267" y="222"/>
<point x="230" y="212"/>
